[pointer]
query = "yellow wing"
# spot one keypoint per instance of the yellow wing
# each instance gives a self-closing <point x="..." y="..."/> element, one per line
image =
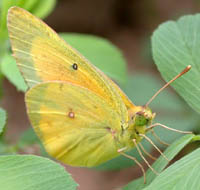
<point x="43" y="56"/>
<point x="125" y="99"/>
<point x="75" y="125"/>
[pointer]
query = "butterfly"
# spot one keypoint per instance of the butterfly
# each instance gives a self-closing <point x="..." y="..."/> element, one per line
<point x="81" y="116"/>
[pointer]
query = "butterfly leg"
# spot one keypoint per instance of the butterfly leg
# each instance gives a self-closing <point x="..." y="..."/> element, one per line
<point x="151" y="142"/>
<point x="140" y="153"/>
<point x="145" y="152"/>
<point x="120" y="151"/>
<point x="158" y="138"/>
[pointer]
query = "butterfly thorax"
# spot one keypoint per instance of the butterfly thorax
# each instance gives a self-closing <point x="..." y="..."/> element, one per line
<point x="140" y="117"/>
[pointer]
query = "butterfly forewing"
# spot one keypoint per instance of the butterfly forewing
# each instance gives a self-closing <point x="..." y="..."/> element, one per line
<point x="42" y="56"/>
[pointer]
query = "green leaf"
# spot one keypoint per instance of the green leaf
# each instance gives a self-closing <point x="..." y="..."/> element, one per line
<point x="37" y="7"/>
<point x="43" y="8"/>
<point x="176" y="45"/>
<point x="101" y="53"/>
<point x="3" y="13"/>
<point x="184" y="174"/>
<point x="160" y="163"/>
<point x="5" y="5"/>
<point x="3" y="118"/>
<point x="10" y="70"/>
<point x="29" y="172"/>
<point x="28" y="137"/>
<point x="28" y="5"/>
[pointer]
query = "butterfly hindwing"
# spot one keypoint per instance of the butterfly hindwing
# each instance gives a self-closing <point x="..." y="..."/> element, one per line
<point x="68" y="119"/>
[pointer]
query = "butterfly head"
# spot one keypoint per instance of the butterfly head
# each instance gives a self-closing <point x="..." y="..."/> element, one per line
<point x="140" y="118"/>
<point x="143" y="117"/>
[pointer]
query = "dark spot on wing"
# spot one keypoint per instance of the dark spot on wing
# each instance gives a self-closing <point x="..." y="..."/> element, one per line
<point x="75" y="66"/>
<point x="71" y="115"/>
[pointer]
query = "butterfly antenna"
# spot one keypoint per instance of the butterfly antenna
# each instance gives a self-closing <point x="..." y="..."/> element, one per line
<point x="168" y="83"/>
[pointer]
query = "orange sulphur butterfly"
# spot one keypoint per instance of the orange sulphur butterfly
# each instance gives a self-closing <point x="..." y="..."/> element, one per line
<point x="81" y="116"/>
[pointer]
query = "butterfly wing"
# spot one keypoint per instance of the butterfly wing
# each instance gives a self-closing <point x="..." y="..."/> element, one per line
<point x="43" y="56"/>
<point x="75" y="125"/>
<point x="125" y="99"/>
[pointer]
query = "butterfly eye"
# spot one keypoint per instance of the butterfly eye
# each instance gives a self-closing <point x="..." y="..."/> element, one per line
<point x="75" y="66"/>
